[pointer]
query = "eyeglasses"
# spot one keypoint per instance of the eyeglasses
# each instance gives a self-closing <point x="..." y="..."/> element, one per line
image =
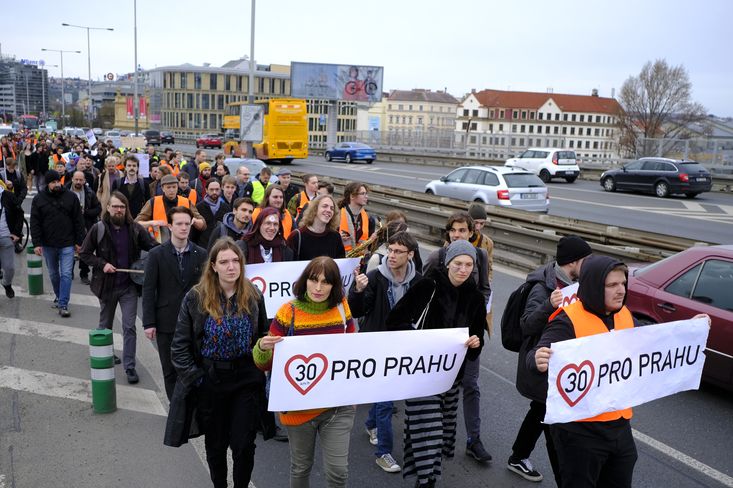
<point x="398" y="252"/>
<point x="118" y="207"/>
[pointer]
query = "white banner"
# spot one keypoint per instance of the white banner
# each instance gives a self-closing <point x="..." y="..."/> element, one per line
<point x="91" y="138"/>
<point x="624" y="368"/>
<point x="569" y="295"/>
<point x="322" y="371"/>
<point x="275" y="280"/>
<point x="144" y="168"/>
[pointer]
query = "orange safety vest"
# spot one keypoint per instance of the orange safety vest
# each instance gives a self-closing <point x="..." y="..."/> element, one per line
<point x="588" y="324"/>
<point x="160" y="214"/>
<point x="348" y="226"/>
<point x="302" y="202"/>
<point x="174" y="169"/>
<point x="286" y="221"/>
<point x="192" y="196"/>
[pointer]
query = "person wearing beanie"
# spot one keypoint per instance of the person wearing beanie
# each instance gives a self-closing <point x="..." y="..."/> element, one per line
<point x="477" y="211"/>
<point x="459" y="228"/>
<point x="543" y="299"/>
<point x="446" y="297"/>
<point x="57" y="230"/>
<point x="199" y="184"/>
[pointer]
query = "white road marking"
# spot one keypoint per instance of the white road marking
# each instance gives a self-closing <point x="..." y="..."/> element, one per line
<point x="74" y="299"/>
<point x="669" y="451"/>
<point x="53" y="332"/>
<point x="693" y="206"/>
<point x="59" y="386"/>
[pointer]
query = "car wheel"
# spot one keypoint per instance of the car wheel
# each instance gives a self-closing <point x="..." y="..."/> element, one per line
<point x="198" y="145"/>
<point x="287" y="161"/>
<point x="328" y="156"/>
<point x="571" y="179"/>
<point x="545" y="176"/>
<point x="609" y="184"/>
<point x="661" y="189"/>
<point x="369" y="161"/>
<point x="348" y="158"/>
<point x="429" y="192"/>
<point x="691" y="194"/>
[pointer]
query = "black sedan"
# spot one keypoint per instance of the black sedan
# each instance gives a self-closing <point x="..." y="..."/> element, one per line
<point x="167" y="138"/>
<point x="660" y="176"/>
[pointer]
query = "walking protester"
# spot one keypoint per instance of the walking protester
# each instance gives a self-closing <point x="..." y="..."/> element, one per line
<point x="274" y="198"/>
<point x="220" y="320"/>
<point x="193" y="168"/>
<point x="24" y="161"/>
<point x="324" y="188"/>
<point x="477" y="211"/>
<point x="184" y="188"/>
<point x="255" y="188"/>
<point x="242" y="176"/>
<point x="110" y="248"/>
<point x="171" y="269"/>
<point x="377" y="251"/>
<point x="264" y="242"/>
<point x="290" y="189"/>
<point x="212" y="209"/>
<point x="459" y="228"/>
<point x="301" y="199"/>
<point x="11" y="232"/>
<point x="91" y="209"/>
<point x="132" y="185"/>
<point x="236" y="223"/>
<point x="229" y="190"/>
<point x="317" y="233"/>
<point x="219" y="169"/>
<point x="15" y="180"/>
<point x="154" y="183"/>
<point x="199" y="183"/>
<point x="543" y="298"/>
<point x="153" y="215"/>
<point x="86" y="165"/>
<point x="445" y="297"/>
<point x="57" y="229"/>
<point x="319" y="307"/>
<point x="153" y="157"/>
<point x="597" y="451"/>
<point x="355" y="224"/>
<point x="373" y="295"/>
<point x="107" y="178"/>
<point x="37" y="164"/>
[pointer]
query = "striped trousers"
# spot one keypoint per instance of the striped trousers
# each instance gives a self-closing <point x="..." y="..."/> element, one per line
<point x="430" y="434"/>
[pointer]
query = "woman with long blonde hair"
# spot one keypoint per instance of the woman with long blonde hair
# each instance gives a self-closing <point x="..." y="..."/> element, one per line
<point x="221" y="319"/>
<point x="317" y="233"/>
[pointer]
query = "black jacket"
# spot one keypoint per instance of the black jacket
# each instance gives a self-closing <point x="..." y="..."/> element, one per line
<point x="451" y="306"/>
<point x="13" y="213"/>
<point x="537" y="311"/>
<point x="56" y="219"/>
<point x="137" y="198"/>
<point x="92" y="206"/>
<point x="373" y="303"/>
<point x="164" y="288"/>
<point x="96" y="253"/>
<point x="211" y="220"/>
<point x="20" y="189"/>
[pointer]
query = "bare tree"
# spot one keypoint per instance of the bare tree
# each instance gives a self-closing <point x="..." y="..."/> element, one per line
<point x="656" y="104"/>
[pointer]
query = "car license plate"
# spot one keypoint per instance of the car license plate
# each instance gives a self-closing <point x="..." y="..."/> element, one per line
<point x="530" y="196"/>
<point x="702" y="179"/>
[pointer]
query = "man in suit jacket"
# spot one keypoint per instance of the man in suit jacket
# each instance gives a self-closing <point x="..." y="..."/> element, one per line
<point x="170" y="271"/>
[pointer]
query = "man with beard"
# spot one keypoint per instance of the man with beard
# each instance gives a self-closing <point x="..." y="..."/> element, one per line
<point x="85" y="164"/>
<point x="236" y="223"/>
<point x="199" y="183"/>
<point x="90" y="208"/>
<point x="212" y="208"/>
<point x="57" y="227"/>
<point x="115" y="243"/>
<point x="132" y="185"/>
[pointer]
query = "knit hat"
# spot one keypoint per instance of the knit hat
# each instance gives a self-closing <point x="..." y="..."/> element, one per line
<point x="458" y="248"/>
<point x="477" y="211"/>
<point x="167" y="180"/>
<point x="52" y="175"/>
<point x="204" y="165"/>
<point x="571" y="248"/>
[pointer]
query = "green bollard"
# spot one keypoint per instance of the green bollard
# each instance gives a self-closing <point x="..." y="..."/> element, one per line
<point x="35" y="272"/>
<point x="102" y="361"/>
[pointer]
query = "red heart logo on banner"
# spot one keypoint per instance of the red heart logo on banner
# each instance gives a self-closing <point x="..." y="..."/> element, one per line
<point x="306" y="374"/>
<point x="579" y="381"/>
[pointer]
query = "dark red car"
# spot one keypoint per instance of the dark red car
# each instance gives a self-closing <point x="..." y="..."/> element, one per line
<point x="698" y="280"/>
<point x="209" y="140"/>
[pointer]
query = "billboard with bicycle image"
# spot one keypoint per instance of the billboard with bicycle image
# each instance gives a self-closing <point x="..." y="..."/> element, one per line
<point x="336" y="82"/>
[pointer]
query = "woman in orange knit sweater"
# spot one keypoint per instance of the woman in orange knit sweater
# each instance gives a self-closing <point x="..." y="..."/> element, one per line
<point x="319" y="307"/>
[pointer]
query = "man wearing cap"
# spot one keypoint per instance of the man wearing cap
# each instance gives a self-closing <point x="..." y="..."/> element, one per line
<point x="154" y="214"/>
<point x="199" y="184"/>
<point x="290" y="189"/>
<point x="543" y="299"/>
<point x="57" y="228"/>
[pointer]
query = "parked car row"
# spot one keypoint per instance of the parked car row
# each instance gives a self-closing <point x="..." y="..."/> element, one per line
<point x="547" y="163"/>
<point x="209" y="140"/>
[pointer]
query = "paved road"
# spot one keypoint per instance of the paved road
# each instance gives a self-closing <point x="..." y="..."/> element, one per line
<point x="708" y="218"/>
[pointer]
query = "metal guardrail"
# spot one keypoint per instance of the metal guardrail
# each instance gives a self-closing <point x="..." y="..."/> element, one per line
<point x="522" y="240"/>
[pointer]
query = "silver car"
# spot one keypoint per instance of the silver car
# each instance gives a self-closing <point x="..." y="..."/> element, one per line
<point x="495" y="185"/>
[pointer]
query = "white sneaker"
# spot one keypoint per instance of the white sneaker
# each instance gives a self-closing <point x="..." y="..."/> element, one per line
<point x="387" y="463"/>
<point x="372" y="433"/>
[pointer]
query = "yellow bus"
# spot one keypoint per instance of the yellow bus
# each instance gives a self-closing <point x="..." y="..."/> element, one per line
<point x="284" y="130"/>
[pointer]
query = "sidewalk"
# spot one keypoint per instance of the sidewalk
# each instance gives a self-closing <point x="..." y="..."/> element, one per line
<point x="49" y="434"/>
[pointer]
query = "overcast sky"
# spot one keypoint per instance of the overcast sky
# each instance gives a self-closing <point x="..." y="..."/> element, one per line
<point x="571" y="46"/>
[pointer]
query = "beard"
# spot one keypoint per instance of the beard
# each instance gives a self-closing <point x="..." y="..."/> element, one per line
<point x="57" y="189"/>
<point x="117" y="220"/>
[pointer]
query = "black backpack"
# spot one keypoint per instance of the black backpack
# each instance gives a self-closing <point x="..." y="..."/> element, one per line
<point x="511" y="331"/>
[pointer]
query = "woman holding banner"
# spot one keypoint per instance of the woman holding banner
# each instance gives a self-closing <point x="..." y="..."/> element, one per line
<point x="317" y="232"/>
<point x="445" y="297"/>
<point x="319" y="307"/>
<point x="220" y="320"/>
<point x="264" y="242"/>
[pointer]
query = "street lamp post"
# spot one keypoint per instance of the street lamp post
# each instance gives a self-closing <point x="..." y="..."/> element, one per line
<point x="63" y="95"/>
<point x="89" y="60"/>
<point x="136" y="99"/>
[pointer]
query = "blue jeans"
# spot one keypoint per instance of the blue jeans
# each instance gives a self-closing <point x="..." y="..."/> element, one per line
<point x="60" y="263"/>
<point x="380" y="416"/>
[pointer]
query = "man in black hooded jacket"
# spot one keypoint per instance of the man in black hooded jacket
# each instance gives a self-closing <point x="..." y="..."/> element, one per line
<point x="599" y="451"/>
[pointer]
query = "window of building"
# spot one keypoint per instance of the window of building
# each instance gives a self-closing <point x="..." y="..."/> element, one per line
<point x="531" y="129"/>
<point x="570" y="144"/>
<point x="501" y="114"/>
<point x="205" y="101"/>
<point x="466" y="112"/>
<point x="501" y="127"/>
<point x="419" y="120"/>
<point x="565" y="117"/>
<point x="557" y="116"/>
<point x="597" y="132"/>
<point x="582" y="117"/>
<point x="227" y="82"/>
<point x="539" y="115"/>
<point x="212" y="81"/>
<point x="183" y="81"/>
<point x="189" y="101"/>
<point x="573" y="118"/>
<point x="587" y="144"/>
<point x="491" y="127"/>
<point x="556" y="130"/>
<point x="515" y="114"/>
<point x="491" y="114"/>
<point x="587" y="131"/>
<point x="514" y="128"/>
<point x="598" y="119"/>
<point x="524" y="114"/>
<point x="474" y="112"/>
<point x="595" y="144"/>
